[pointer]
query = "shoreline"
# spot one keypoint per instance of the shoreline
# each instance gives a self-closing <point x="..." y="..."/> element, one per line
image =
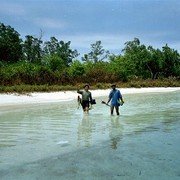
<point x="44" y="97"/>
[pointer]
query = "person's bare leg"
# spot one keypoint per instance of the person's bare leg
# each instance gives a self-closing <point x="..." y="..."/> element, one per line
<point x="86" y="110"/>
<point x="117" y="110"/>
<point x="112" y="109"/>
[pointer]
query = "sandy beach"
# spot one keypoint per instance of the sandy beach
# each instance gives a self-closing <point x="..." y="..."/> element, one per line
<point x="15" y="99"/>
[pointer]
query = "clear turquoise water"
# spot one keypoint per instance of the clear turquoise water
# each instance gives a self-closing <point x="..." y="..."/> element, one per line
<point x="57" y="141"/>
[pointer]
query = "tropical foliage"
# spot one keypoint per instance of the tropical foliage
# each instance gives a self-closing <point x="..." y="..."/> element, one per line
<point x="54" y="62"/>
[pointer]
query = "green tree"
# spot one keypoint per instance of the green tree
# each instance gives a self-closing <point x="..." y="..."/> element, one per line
<point x="61" y="49"/>
<point x="66" y="53"/>
<point x="146" y="62"/>
<point x="120" y="68"/>
<point x="96" y="72"/>
<point x="32" y="49"/>
<point x="97" y="53"/>
<point x="154" y="62"/>
<point x="51" y="47"/>
<point x="54" y="62"/>
<point x="76" y="69"/>
<point x="171" y="61"/>
<point x="10" y="44"/>
<point x="131" y="46"/>
<point x="136" y="56"/>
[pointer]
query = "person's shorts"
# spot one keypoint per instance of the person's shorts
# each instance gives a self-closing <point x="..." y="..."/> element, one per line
<point x="115" y="104"/>
<point x="85" y="104"/>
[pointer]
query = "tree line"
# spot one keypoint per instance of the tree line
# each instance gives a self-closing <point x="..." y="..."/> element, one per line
<point x="33" y="61"/>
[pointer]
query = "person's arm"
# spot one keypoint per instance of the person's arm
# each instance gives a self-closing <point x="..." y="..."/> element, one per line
<point x="121" y="98"/>
<point x="90" y="97"/>
<point x="79" y="92"/>
<point x="110" y="97"/>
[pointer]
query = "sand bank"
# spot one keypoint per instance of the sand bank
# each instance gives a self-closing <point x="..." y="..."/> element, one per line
<point x="15" y="99"/>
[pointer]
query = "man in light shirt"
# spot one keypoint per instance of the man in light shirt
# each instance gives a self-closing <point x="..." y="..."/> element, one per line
<point x="116" y="99"/>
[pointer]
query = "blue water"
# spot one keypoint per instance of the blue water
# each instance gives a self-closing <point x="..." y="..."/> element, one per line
<point x="58" y="141"/>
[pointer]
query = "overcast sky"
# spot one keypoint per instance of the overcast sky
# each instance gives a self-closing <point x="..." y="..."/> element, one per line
<point x="83" y="22"/>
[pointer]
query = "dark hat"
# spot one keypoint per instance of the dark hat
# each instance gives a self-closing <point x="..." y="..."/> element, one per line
<point x="113" y="85"/>
<point x="86" y="85"/>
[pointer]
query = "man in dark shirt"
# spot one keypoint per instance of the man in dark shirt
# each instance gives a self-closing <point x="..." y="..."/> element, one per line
<point x="86" y="98"/>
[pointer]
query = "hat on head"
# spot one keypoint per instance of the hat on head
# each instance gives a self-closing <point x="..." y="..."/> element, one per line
<point x="86" y="85"/>
<point x="113" y="85"/>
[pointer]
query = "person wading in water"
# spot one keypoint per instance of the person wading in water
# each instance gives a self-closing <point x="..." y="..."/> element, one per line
<point x="86" y="98"/>
<point x="116" y="99"/>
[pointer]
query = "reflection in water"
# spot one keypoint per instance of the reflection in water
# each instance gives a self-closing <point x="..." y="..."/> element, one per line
<point x="89" y="129"/>
<point x="115" y="132"/>
<point x="32" y="132"/>
<point x="84" y="132"/>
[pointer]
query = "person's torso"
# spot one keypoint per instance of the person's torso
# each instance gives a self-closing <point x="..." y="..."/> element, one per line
<point x="115" y="96"/>
<point x="86" y="95"/>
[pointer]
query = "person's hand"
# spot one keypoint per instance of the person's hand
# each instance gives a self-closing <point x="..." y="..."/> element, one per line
<point x="78" y="87"/>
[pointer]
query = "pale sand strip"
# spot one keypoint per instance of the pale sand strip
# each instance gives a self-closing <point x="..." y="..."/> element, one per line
<point x="14" y="99"/>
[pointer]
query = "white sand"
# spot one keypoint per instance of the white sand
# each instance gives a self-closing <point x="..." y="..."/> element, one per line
<point x="14" y="99"/>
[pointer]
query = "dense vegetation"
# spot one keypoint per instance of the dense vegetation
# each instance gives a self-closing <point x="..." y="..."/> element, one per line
<point x="34" y="62"/>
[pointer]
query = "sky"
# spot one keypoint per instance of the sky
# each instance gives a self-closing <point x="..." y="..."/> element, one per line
<point x="83" y="22"/>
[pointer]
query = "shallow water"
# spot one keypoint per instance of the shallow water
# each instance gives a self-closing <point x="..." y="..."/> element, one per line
<point x="58" y="140"/>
